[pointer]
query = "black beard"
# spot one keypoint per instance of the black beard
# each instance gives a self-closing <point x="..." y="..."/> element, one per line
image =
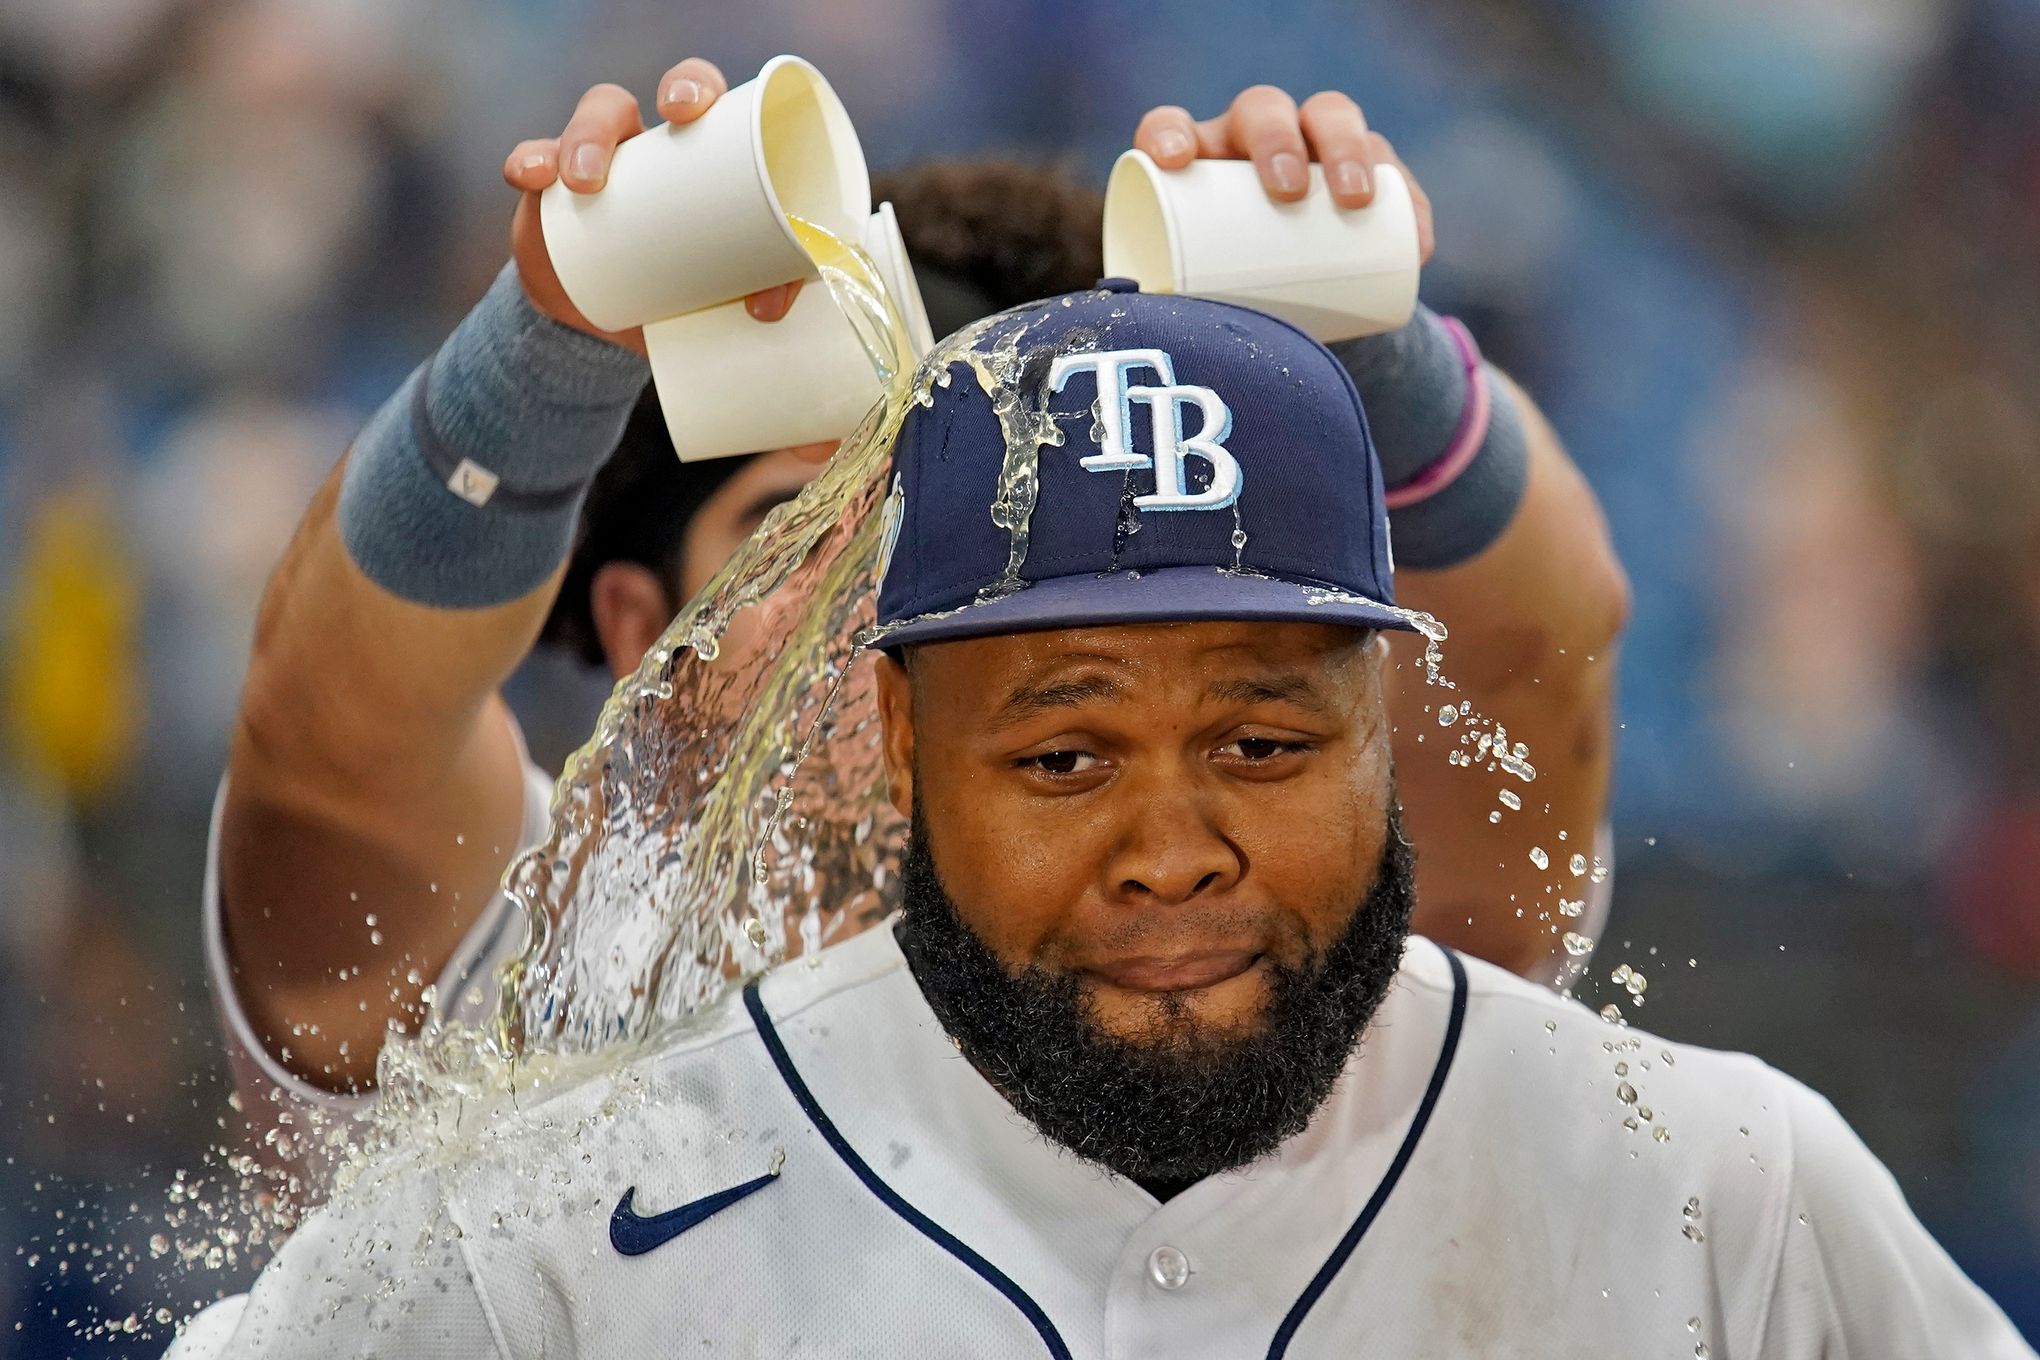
<point x="1173" y="1110"/>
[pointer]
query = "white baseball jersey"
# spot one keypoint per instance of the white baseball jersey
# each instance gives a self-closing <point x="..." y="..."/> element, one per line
<point x="815" y="1171"/>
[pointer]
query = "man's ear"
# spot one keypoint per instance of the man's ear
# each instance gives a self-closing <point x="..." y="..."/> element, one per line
<point x="896" y="725"/>
<point x="631" y="607"/>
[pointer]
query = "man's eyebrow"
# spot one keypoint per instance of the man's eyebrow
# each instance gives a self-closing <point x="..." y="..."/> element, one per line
<point x="1281" y="689"/>
<point x="1030" y="701"/>
<point x="765" y="502"/>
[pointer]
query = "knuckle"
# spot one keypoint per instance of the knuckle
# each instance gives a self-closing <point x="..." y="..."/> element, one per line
<point x="601" y="101"/>
<point x="1264" y="97"/>
<point x="1157" y="120"/>
<point x="1330" y="101"/>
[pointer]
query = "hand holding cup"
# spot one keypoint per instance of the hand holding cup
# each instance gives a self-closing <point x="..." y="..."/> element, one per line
<point x="1301" y="212"/>
<point x="1264" y="125"/>
<point x="579" y="157"/>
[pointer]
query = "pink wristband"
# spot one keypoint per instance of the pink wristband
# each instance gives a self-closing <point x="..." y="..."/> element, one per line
<point x="1467" y="436"/>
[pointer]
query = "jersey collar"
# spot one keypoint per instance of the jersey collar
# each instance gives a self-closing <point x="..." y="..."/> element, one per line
<point x="856" y="1031"/>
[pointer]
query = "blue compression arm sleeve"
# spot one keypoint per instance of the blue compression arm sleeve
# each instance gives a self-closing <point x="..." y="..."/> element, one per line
<point x="464" y="489"/>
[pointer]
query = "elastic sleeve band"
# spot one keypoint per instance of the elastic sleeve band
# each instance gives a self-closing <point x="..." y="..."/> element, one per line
<point x="1454" y="460"/>
<point x="1467" y="437"/>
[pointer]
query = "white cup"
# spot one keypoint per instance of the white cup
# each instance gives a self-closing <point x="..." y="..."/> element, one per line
<point x="730" y="383"/>
<point x="1211" y="230"/>
<point x="696" y="215"/>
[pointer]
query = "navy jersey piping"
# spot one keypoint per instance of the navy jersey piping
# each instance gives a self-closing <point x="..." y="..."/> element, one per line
<point x="891" y="1198"/>
<point x="1279" y="1347"/>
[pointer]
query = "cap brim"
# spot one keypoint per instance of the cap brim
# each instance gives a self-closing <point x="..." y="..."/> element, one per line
<point x="1168" y="595"/>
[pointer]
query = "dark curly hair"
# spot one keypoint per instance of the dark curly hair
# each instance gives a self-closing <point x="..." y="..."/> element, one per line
<point x="984" y="235"/>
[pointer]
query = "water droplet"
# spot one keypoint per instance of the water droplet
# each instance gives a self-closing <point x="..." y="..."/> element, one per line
<point x="1621" y="973"/>
<point x="1577" y="944"/>
<point x="1448" y="714"/>
<point x="375" y="937"/>
<point x="158" y="1245"/>
<point x="1693" y="1234"/>
<point x="1692" y="1209"/>
<point x="1692" y="1324"/>
<point x="1621" y="1069"/>
<point x="1551" y="1026"/>
<point x="1539" y="858"/>
<point x="1571" y="908"/>
<point x="1636" y="984"/>
<point x="1631" y="1124"/>
<point x="1666" y="1058"/>
<point x="1612" y="1013"/>
<point x="1510" y="800"/>
<point x="1662" y="1134"/>
<point x="754" y="931"/>
<point x="1578" y="865"/>
<point x="1700" y="1350"/>
<point x="1626" y="1093"/>
<point x="1495" y="816"/>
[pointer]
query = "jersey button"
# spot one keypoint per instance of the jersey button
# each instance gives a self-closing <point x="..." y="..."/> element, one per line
<point x="1168" y="1268"/>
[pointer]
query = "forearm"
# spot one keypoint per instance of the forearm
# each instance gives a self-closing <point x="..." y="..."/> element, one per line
<point x="357" y="691"/>
<point x="374" y="771"/>
<point x="1534" y="621"/>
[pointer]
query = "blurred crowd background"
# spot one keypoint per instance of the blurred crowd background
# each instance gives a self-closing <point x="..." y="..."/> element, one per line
<point x="1772" y="267"/>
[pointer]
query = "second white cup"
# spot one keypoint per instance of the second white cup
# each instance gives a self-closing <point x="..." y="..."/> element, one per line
<point x="696" y="215"/>
<point x="1211" y="230"/>
<point x="732" y="384"/>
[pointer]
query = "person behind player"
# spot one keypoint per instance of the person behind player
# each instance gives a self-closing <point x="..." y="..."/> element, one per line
<point x="377" y="783"/>
<point x="1149" y="1062"/>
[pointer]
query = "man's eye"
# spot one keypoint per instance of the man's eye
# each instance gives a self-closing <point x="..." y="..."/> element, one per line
<point x="1062" y="762"/>
<point x="1261" y="748"/>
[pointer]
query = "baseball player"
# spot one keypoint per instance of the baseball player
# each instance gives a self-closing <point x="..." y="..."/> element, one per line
<point x="1149" y="1062"/>
<point x="377" y="784"/>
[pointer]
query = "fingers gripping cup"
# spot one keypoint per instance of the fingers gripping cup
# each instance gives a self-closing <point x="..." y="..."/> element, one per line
<point x="696" y="215"/>
<point x="1210" y="230"/>
<point x="731" y="384"/>
<point x="694" y="218"/>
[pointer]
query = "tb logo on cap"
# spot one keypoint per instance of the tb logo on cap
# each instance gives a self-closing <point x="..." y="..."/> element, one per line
<point x="1166" y="402"/>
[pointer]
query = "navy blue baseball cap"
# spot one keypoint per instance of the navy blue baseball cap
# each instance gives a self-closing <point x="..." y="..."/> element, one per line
<point x="1214" y="463"/>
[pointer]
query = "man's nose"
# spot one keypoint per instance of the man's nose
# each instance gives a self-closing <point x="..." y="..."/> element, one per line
<point x="1172" y="849"/>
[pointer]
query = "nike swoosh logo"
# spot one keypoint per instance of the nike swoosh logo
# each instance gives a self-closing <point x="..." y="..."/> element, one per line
<point x="634" y="1235"/>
